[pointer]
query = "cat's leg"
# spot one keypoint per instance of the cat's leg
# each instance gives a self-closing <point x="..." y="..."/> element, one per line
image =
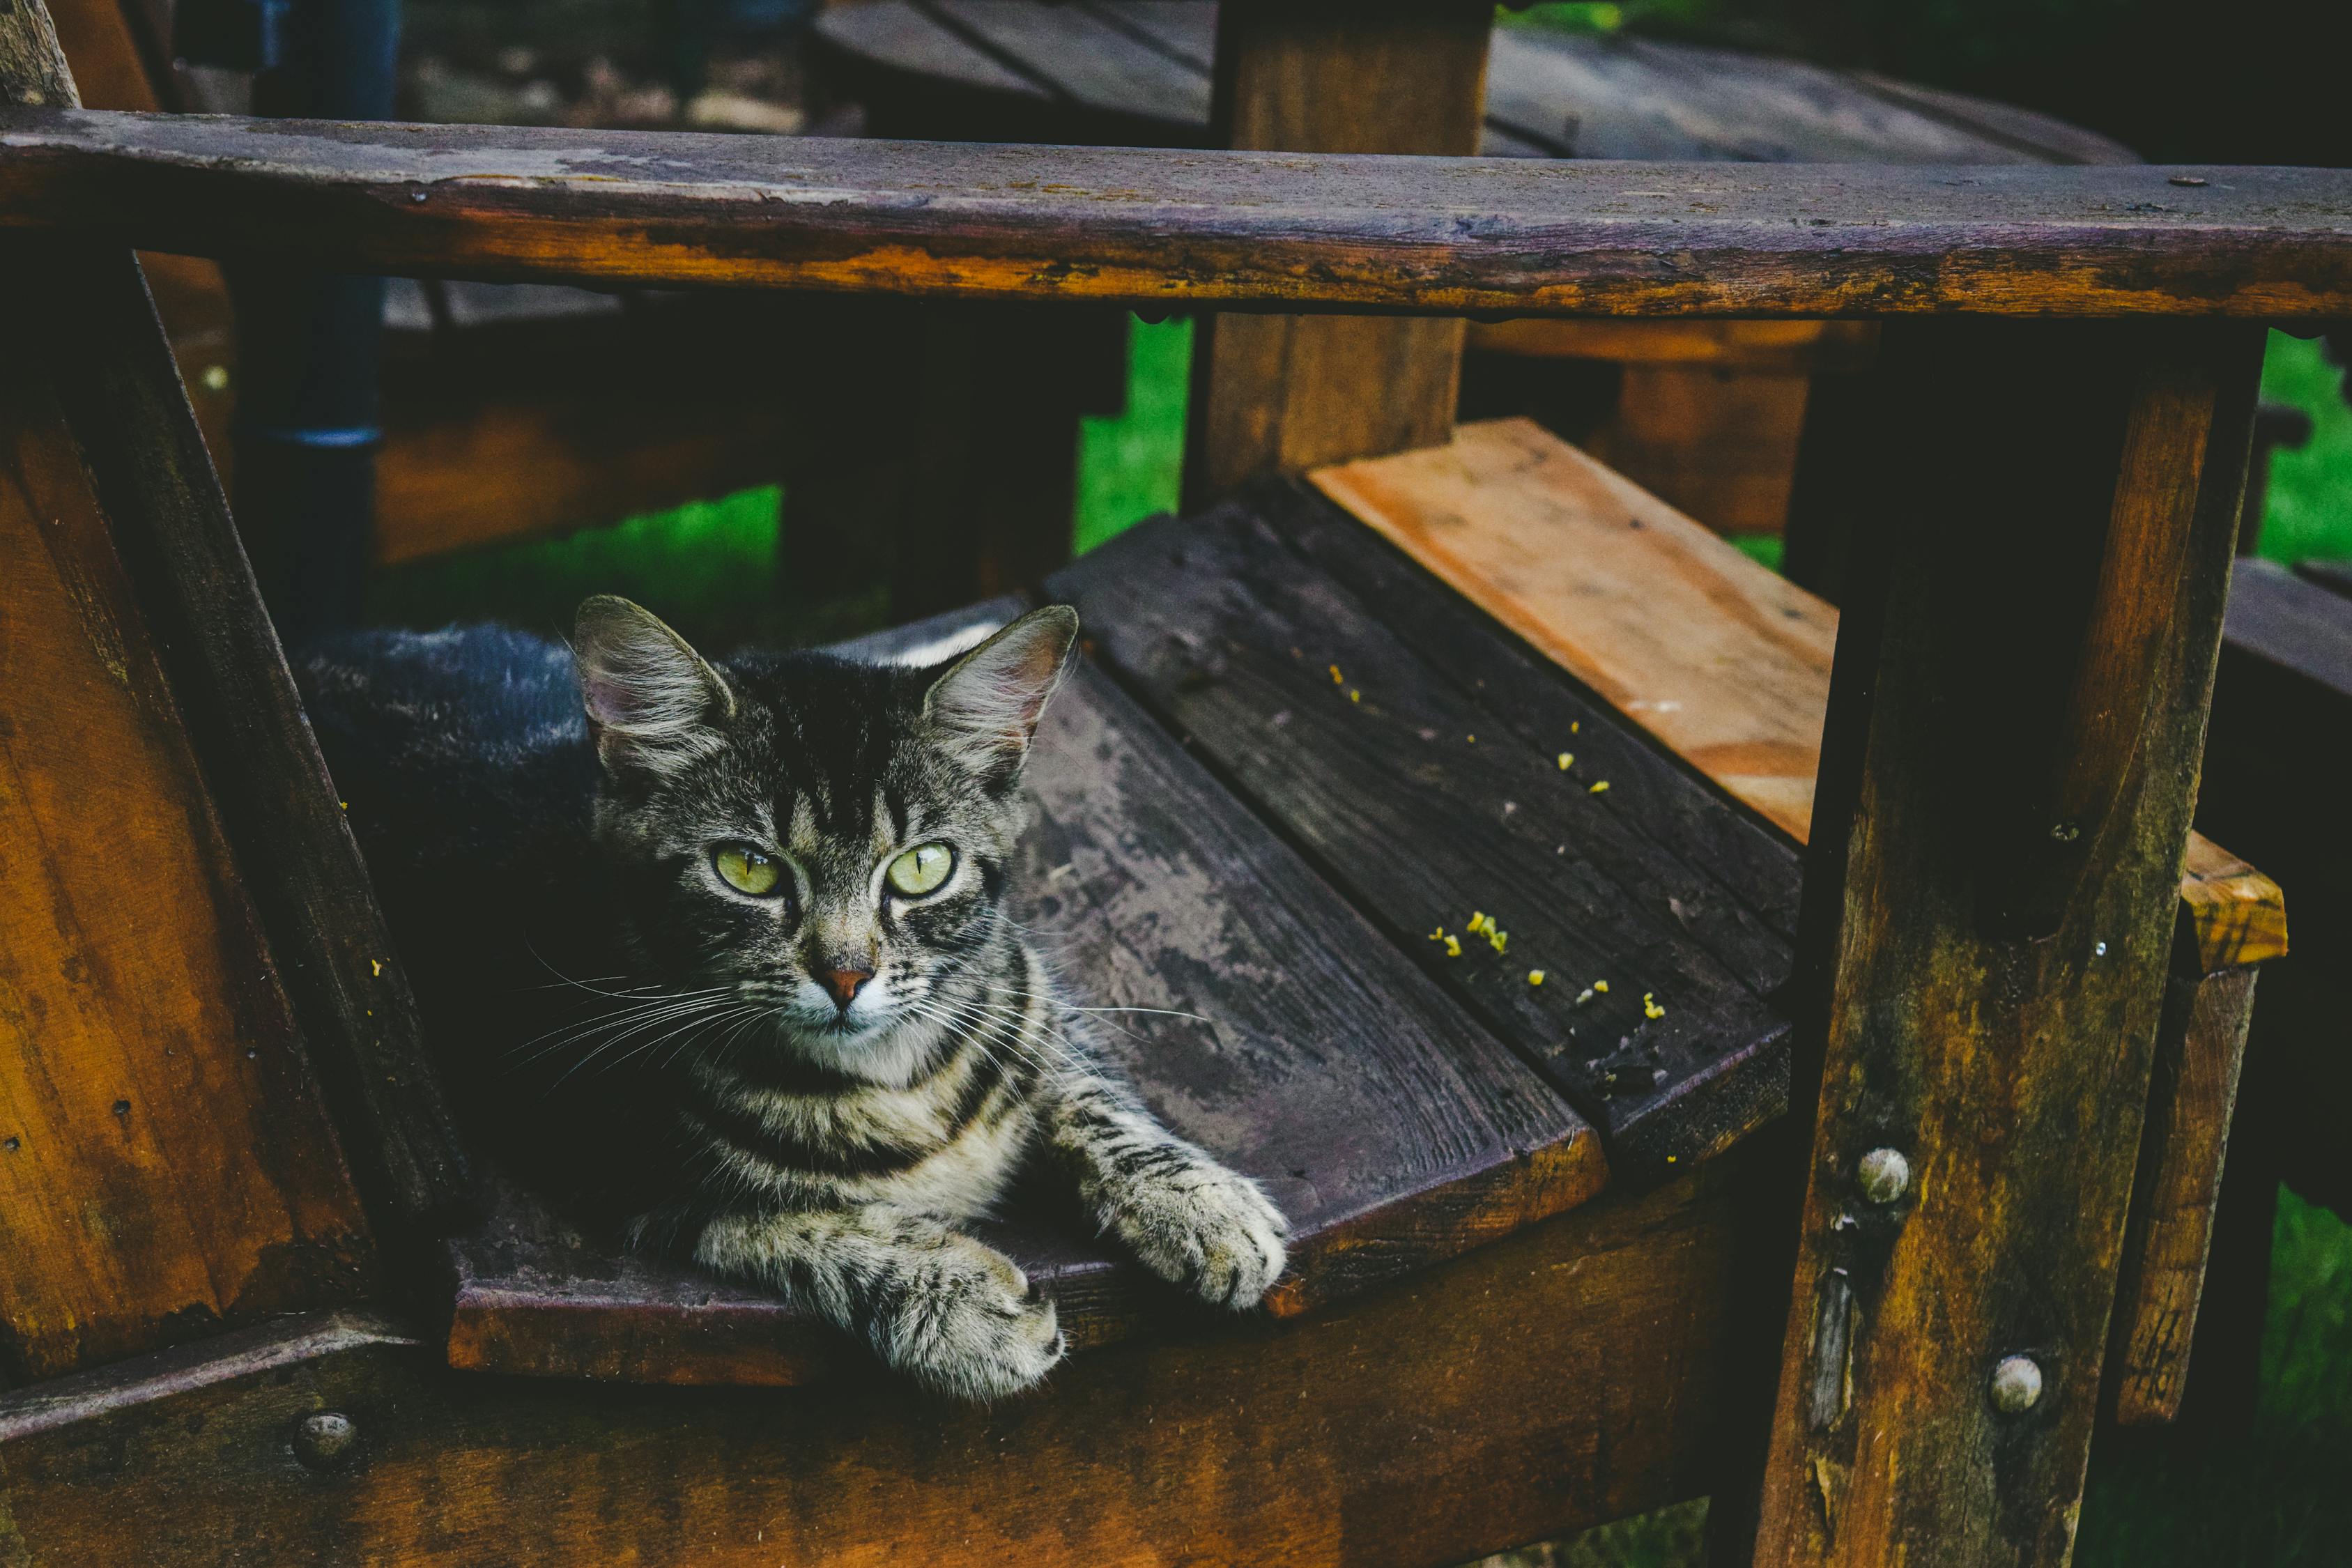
<point x="1190" y="1220"/>
<point x="933" y="1303"/>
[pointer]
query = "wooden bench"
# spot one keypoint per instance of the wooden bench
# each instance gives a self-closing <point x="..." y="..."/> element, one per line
<point x="1975" y="967"/>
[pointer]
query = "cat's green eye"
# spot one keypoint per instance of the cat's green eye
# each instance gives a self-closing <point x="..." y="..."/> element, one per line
<point x="921" y="869"/>
<point x="747" y="870"/>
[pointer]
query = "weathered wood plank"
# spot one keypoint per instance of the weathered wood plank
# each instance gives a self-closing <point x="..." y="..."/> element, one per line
<point x="1162" y="227"/>
<point x="1939" y="1375"/>
<point x="1724" y="660"/>
<point x="2192" y="1100"/>
<point x="1102" y="67"/>
<point x="1279" y="395"/>
<point x="1565" y="1376"/>
<point x="1424" y="797"/>
<point x="1278" y="1029"/>
<point x="165" y="1165"/>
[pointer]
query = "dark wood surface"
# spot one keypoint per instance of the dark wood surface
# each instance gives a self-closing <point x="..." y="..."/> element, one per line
<point x="2336" y="576"/>
<point x="1067" y="70"/>
<point x="1276" y="1028"/>
<point x="1279" y="394"/>
<point x="1434" y="792"/>
<point x="2007" y="1057"/>
<point x="2201" y="1045"/>
<point x="1162" y="227"/>
<point x="1562" y="1377"/>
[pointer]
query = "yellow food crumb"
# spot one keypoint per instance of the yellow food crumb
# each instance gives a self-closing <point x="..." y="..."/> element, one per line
<point x="377" y="965"/>
<point x="1473" y="740"/>
<point x="1573" y="726"/>
<point x="1478" y="922"/>
<point x="1355" y="696"/>
<point x="1670" y="1159"/>
<point x="344" y="803"/>
<point x="1453" y="947"/>
<point x="1650" y="1008"/>
<point x="1566" y="760"/>
<point x="1535" y="976"/>
<point x="1496" y="937"/>
<point x="1599" y="788"/>
<point x="1602" y="986"/>
<point x="1336" y="679"/>
<point x="1437" y="935"/>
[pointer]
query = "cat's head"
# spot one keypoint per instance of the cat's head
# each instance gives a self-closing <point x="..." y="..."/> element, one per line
<point x="824" y="844"/>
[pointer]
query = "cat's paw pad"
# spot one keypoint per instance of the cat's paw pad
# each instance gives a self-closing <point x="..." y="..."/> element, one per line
<point x="969" y="1328"/>
<point x="1207" y="1229"/>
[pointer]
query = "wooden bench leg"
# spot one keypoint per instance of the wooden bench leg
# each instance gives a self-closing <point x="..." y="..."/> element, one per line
<point x="1285" y="393"/>
<point x="2015" y="724"/>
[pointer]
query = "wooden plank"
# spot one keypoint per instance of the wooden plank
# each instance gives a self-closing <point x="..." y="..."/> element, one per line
<point x="1085" y="58"/>
<point x="902" y="36"/>
<point x="2192" y="1100"/>
<point x="165" y="1166"/>
<point x="120" y="393"/>
<point x="1721" y="659"/>
<point x="1162" y="227"/>
<point x="2046" y="137"/>
<point x="1625" y="594"/>
<point x="1939" y="1373"/>
<point x="1559" y="1378"/>
<point x="1393" y="1132"/>
<point x="1282" y="393"/>
<point x="2336" y="576"/>
<point x="1427" y="797"/>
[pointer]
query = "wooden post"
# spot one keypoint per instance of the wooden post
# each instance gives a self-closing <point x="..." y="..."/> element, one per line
<point x="2016" y="719"/>
<point x="1285" y="393"/>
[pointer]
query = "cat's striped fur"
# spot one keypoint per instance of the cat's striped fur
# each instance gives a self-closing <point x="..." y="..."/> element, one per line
<point x="811" y="1086"/>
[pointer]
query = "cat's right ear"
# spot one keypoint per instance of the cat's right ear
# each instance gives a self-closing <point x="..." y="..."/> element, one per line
<point x="653" y="704"/>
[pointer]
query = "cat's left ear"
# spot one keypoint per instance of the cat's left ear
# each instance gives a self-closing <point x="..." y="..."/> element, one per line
<point x="653" y="702"/>
<point x="986" y="707"/>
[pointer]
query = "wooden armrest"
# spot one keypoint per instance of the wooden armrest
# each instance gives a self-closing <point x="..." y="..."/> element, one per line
<point x="1170" y="226"/>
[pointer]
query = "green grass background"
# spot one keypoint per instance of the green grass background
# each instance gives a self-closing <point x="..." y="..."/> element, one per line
<point x="2283" y="1497"/>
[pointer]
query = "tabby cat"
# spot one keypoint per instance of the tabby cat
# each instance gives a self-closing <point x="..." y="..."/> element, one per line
<point x="721" y="951"/>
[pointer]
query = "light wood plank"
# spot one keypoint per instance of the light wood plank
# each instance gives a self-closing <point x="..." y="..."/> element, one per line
<point x="1721" y="659"/>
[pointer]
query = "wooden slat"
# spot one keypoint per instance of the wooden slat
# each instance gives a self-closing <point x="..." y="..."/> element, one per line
<point x="1428" y="794"/>
<point x="165" y="1166"/>
<point x="1087" y="59"/>
<point x="2192" y="1101"/>
<point x="903" y="37"/>
<point x="2002" y="1047"/>
<point x="1811" y="347"/>
<point x="1393" y="1132"/>
<point x="1720" y="658"/>
<point x="1279" y="394"/>
<point x="1166" y="227"/>
<point x="1565" y="1376"/>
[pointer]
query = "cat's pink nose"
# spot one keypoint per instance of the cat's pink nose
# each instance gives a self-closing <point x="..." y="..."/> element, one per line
<point x="844" y="984"/>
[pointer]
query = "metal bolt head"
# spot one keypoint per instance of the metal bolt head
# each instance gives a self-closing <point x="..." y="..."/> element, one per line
<point x="2016" y="1384"/>
<point x="326" y="1441"/>
<point x="1885" y="1176"/>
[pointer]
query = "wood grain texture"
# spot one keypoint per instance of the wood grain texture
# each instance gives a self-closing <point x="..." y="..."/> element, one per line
<point x="165" y="1166"/>
<point x="1276" y="1028"/>
<point x="99" y="344"/>
<point x="2192" y="1100"/>
<point x="1427" y="795"/>
<point x="1720" y="658"/>
<point x="1811" y="348"/>
<point x="1279" y="395"/>
<point x="2011" y="1071"/>
<point x="1562" y="1377"/>
<point x="1164" y="228"/>
<point x="1723" y="659"/>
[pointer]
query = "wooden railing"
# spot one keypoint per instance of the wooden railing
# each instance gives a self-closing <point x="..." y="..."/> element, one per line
<point x="1157" y="226"/>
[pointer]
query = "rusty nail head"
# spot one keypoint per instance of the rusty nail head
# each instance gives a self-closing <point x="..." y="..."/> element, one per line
<point x="2016" y="1384"/>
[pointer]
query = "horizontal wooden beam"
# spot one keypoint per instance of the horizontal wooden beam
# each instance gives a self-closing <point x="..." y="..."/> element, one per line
<point x="1162" y="227"/>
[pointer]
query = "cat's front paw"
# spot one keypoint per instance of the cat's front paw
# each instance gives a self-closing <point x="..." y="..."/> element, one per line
<point x="1205" y="1228"/>
<point x="969" y="1327"/>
